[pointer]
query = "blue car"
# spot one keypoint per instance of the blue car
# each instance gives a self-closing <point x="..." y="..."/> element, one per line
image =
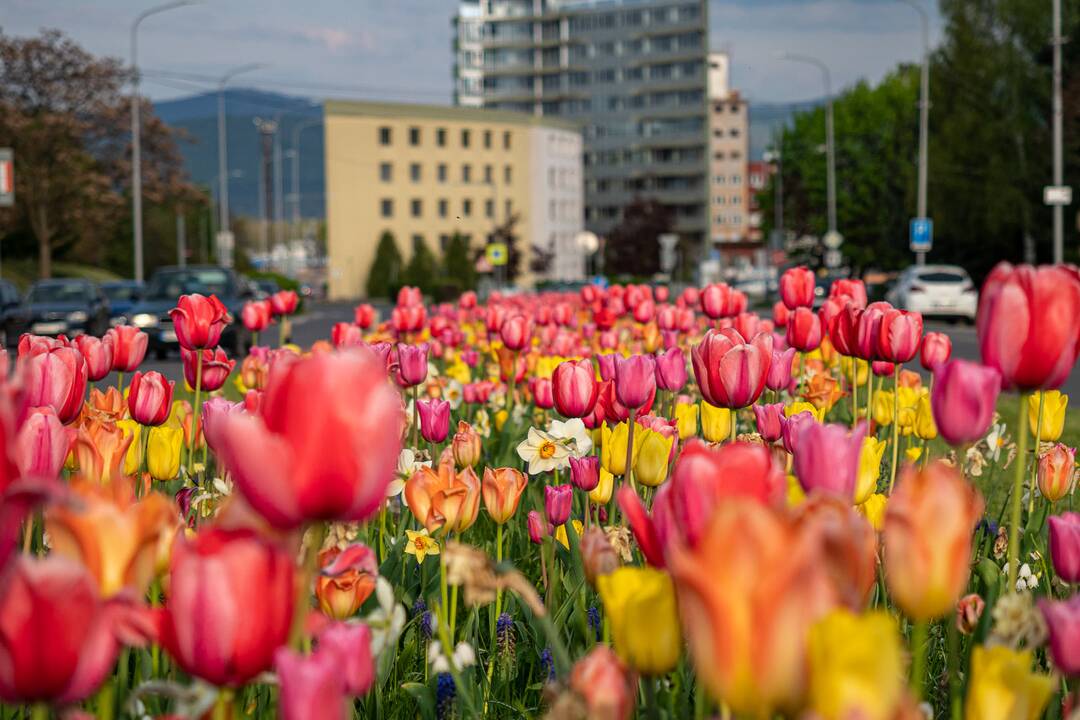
<point x="122" y="294"/>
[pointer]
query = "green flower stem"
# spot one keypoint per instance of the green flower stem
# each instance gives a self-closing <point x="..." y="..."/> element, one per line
<point x="854" y="391"/>
<point x="416" y="419"/>
<point x="120" y="381"/>
<point x="895" y="427"/>
<point x="1017" y="494"/>
<point x="195" y="408"/>
<point x="303" y="589"/>
<point x="1035" y="455"/>
<point x="919" y="635"/>
<point x="953" y="641"/>
<point x="630" y="449"/>
<point x="40" y="711"/>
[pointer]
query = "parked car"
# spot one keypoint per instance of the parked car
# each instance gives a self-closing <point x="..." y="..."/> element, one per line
<point x="122" y="294"/>
<point x="14" y="314"/>
<point x="265" y="287"/>
<point x="936" y="291"/>
<point x="166" y="286"/>
<point x="69" y="306"/>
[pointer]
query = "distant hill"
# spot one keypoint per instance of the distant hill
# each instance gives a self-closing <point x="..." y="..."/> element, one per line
<point x="766" y="118"/>
<point x="196" y="118"/>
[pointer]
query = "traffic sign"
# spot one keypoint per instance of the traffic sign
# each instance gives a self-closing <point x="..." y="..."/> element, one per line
<point x="496" y="254"/>
<point x="833" y="240"/>
<point x="1057" y="195"/>
<point x="7" y="177"/>
<point x="921" y="234"/>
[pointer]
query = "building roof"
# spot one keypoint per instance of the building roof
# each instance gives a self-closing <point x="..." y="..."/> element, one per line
<point x="444" y="112"/>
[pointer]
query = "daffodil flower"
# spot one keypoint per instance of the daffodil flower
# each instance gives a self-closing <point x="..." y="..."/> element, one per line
<point x="543" y="452"/>
<point x="419" y="544"/>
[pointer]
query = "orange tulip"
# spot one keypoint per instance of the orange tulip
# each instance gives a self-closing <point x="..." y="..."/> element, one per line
<point x="466" y="445"/>
<point x="823" y="390"/>
<point x="108" y="406"/>
<point x="253" y="372"/>
<point x="749" y="592"/>
<point x="1057" y="466"/>
<point x="112" y="534"/>
<point x="99" y="450"/>
<point x="445" y="499"/>
<point x="342" y="595"/>
<point x="502" y="490"/>
<point x="927" y="539"/>
<point x="849" y="546"/>
<point x="910" y="379"/>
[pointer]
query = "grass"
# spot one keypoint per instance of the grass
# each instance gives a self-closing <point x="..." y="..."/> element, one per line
<point x="24" y="272"/>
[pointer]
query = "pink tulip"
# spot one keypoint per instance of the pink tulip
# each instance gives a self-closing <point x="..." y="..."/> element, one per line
<point x="1063" y="623"/>
<point x="541" y="390"/>
<point x="98" y="354"/>
<point x="635" y="380"/>
<point x="216" y="367"/>
<point x="344" y="334"/>
<point x="412" y="364"/>
<point x="150" y="398"/>
<point x="936" y="350"/>
<point x="574" y="388"/>
<point x="901" y="332"/>
<point x="516" y="332"/>
<point x="213" y="410"/>
<point x="256" y="315"/>
<point x="365" y="315"/>
<point x="537" y="527"/>
<point x="849" y="290"/>
<point x="39" y="344"/>
<point x="828" y="313"/>
<point x="791" y="429"/>
<point x="409" y="295"/>
<point x="434" y="419"/>
<point x="56" y="379"/>
<point x="731" y="372"/>
<point x="779" y="376"/>
<point x="351" y="643"/>
<point x="324" y="445"/>
<point x="797" y="287"/>
<point x="42" y="445"/>
<point x="558" y="501"/>
<point x="284" y="302"/>
<point x="881" y="368"/>
<point x="768" y="420"/>
<point x="1065" y="545"/>
<point x="963" y="400"/>
<point x="827" y="458"/>
<point x="804" y="329"/>
<point x="671" y="371"/>
<point x="644" y="311"/>
<point x="585" y="472"/>
<point x="129" y="347"/>
<point x="721" y="300"/>
<point x="606" y="363"/>
<point x="310" y="685"/>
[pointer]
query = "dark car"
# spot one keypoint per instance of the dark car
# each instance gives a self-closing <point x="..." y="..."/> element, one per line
<point x="266" y="287"/>
<point x="166" y="286"/>
<point x="122" y="294"/>
<point x="67" y="307"/>
<point x="14" y="314"/>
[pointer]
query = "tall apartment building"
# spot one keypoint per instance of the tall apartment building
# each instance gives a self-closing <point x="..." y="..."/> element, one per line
<point x="729" y="149"/>
<point x="632" y="72"/>
<point x="425" y="172"/>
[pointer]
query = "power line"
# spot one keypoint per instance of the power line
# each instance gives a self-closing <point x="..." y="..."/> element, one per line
<point x="211" y="82"/>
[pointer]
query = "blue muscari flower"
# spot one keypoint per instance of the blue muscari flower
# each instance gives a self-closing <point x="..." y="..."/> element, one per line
<point x="419" y="606"/>
<point x="548" y="664"/>
<point x="594" y="620"/>
<point x="504" y="623"/>
<point x="425" y="625"/>
<point x="444" y="695"/>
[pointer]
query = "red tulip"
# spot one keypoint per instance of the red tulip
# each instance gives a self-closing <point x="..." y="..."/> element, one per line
<point x="98" y="354"/>
<point x="828" y="313"/>
<point x="129" y="347"/>
<point x="963" y="400"/>
<point x="150" y="398"/>
<point x="558" y="501"/>
<point x="39" y="344"/>
<point x="936" y="350"/>
<point x="42" y="445"/>
<point x="1029" y="324"/>
<point x="230" y="604"/>
<point x="721" y="300"/>
<point x="284" y="302"/>
<point x="804" y="329"/>
<point x="901" y="332"/>
<point x="344" y="334"/>
<point x="408" y="296"/>
<point x="1065" y="545"/>
<point x="541" y="389"/>
<point x="467" y="301"/>
<point x="365" y="315"/>
<point x="850" y="290"/>
<point x="797" y="287"/>
<point x="216" y="367"/>
<point x="1063" y="623"/>
<point x="256" y="315"/>
<point x="198" y="321"/>
<point x="730" y="371"/>
<point x="434" y="419"/>
<point x="325" y="443"/>
<point x="827" y="458"/>
<point x="635" y="380"/>
<point x="55" y="379"/>
<point x="408" y="318"/>
<point x="844" y="331"/>
<point x="574" y="388"/>
<point x="780" y="314"/>
<point x="516" y="332"/>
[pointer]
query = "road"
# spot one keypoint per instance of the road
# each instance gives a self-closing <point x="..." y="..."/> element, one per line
<point x="316" y="325"/>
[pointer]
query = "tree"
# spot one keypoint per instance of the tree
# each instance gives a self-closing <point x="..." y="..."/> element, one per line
<point x="423" y="269"/>
<point x="633" y="247"/>
<point x="384" y="278"/>
<point x="458" y="265"/>
<point x="67" y="119"/>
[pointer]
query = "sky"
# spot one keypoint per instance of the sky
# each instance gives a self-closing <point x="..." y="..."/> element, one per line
<point x="400" y="49"/>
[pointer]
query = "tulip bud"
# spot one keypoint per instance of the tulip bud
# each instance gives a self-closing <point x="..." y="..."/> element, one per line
<point x="671" y="371"/>
<point x="1065" y="545"/>
<point x="969" y="611"/>
<point x="1054" y="404"/>
<point x="779" y="376"/>
<point x="284" y="302"/>
<point x="935" y="351"/>
<point x="501" y="489"/>
<point x="516" y="332"/>
<point x="1056" y="471"/>
<point x="537" y="527"/>
<point x="797" y="287"/>
<point x="150" y="398"/>
<point x="715" y="422"/>
<point x="585" y="472"/>
<point x="466" y="445"/>
<point x="730" y="371"/>
<point x="163" y="446"/>
<point x="557" y="503"/>
<point x="827" y="458"/>
<point x="1063" y="623"/>
<point x="804" y="330"/>
<point x="42" y="445"/>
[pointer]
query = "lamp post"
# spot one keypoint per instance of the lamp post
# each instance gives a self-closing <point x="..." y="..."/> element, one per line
<point x="299" y="128"/>
<point x="1059" y="176"/>
<point x="924" y="117"/>
<point x="136" y="132"/>
<point x="830" y="145"/>
<point x="223" y="191"/>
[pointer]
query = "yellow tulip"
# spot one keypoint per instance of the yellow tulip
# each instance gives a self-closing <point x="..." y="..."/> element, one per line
<point x="686" y="415"/>
<point x="563" y="538"/>
<point x="802" y="406"/>
<point x="133" y="457"/>
<point x="613" y="447"/>
<point x="795" y="494"/>
<point x="925" y="429"/>
<point x="883" y="407"/>
<point x="459" y="371"/>
<point x="601" y="494"/>
<point x="651" y="464"/>
<point x="1053" y="415"/>
<point x="873" y="509"/>
<point x="873" y="450"/>
<point x="715" y="422"/>
<point x="856" y="666"/>
<point x="500" y="419"/>
<point x="862" y="368"/>
<point x="163" y="451"/>
<point x="640" y="603"/>
<point x="1003" y="687"/>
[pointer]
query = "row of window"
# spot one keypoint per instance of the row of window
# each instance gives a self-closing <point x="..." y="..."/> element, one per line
<point x="732" y="132"/>
<point x="634" y="18"/>
<point x="723" y="199"/>
<point x="721" y="179"/>
<point x="416" y="208"/>
<point x="415" y="135"/>
<point x="731" y="155"/>
<point x="729" y="219"/>
<point x="442" y="173"/>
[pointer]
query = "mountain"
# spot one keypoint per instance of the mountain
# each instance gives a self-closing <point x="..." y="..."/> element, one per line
<point x="765" y="120"/>
<point x="195" y="117"/>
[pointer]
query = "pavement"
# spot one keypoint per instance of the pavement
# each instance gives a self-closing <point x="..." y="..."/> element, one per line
<point x="317" y="322"/>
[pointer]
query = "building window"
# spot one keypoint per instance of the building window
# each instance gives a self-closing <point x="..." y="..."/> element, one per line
<point x="464" y="138"/>
<point x="440" y="137"/>
<point x="386" y="208"/>
<point x="416" y="207"/>
<point x="466" y="207"/>
<point x="487" y="139"/>
<point x="506" y="140"/>
<point x="719" y="199"/>
<point x="442" y="208"/>
<point x="509" y="207"/>
<point x="417" y="242"/>
<point x="384" y="135"/>
<point x="736" y="179"/>
<point x="386" y="172"/>
<point x="718" y="155"/>
<point x="489" y="175"/>
<point x="466" y="173"/>
<point x="414" y="172"/>
<point x="489" y="208"/>
<point x="507" y="174"/>
<point x="414" y="136"/>
<point x="444" y="241"/>
<point x="440" y="172"/>
<point x="735" y="154"/>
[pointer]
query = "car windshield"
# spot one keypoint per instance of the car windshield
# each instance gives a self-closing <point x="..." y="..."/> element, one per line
<point x="171" y="284"/>
<point x="59" y="293"/>
<point x="942" y="276"/>
<point x="121" y="292"/>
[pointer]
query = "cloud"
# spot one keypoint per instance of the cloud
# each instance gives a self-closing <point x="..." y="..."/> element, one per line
<point x="332" y="39"/>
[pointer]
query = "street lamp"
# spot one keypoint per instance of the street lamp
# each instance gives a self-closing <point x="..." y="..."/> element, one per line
<point x="301" y="127"/>
<point x="924" y="117"/>
<point x="136" y="132"/>
<point x="223" y="194"/>
<point x="830" y="145"/>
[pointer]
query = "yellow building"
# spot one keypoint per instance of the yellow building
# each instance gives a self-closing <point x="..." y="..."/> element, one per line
<point x="424" y="172"/>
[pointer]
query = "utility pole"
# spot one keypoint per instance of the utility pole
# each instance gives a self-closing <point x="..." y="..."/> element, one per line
<point x="924" y="118"/>
<point x="1059" y="167"/>
<point x="181" y="239"/>
<point x="267" y="130"/>
<point x="224" y="228"/>
<point x="830" y="144"/>
<point x="297" y="130"/>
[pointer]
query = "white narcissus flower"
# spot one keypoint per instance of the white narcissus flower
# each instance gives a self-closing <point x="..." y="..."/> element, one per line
<point x="543" y="452"/>
<point x="482" y="423"/>
<point x="995" y="440"/>
<point x="453" y="394"/>
<point x="574" y="432"/>
<point x="407" y="465"/>
<point x="387" y="620"/>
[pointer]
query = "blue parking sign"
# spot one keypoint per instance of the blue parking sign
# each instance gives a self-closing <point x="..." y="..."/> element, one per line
<point x="921" y="234"/>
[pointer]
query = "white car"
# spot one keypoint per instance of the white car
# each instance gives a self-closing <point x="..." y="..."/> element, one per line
<point x="936" y="290"/>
